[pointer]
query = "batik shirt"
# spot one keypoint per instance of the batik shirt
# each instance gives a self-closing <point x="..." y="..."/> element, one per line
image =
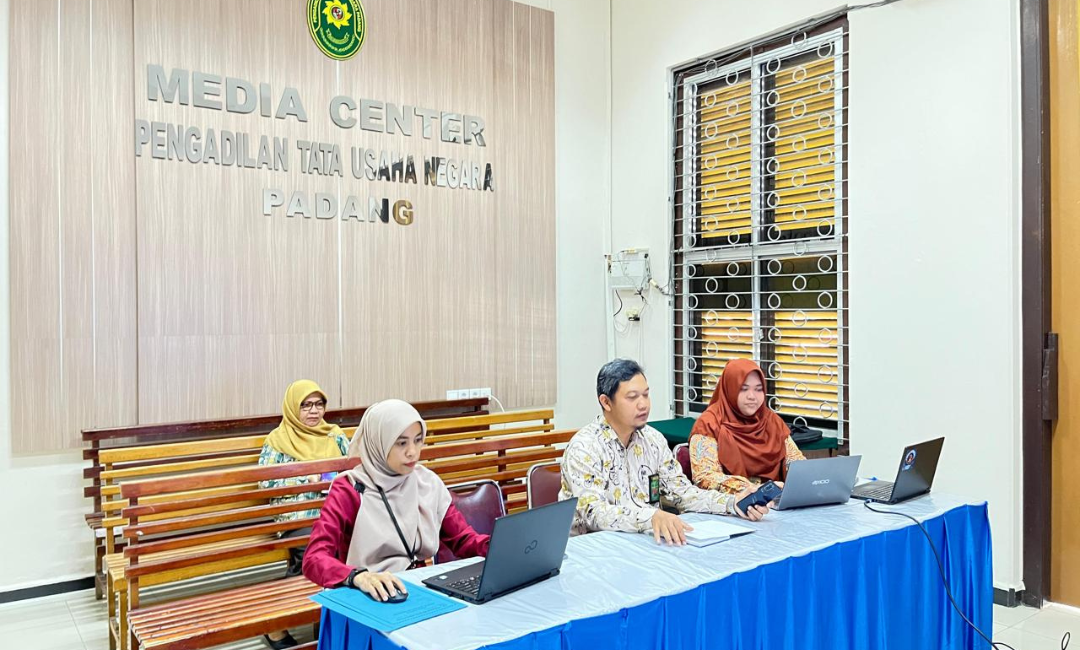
<point x="611" y="482"/>
<point x="709" y="474"/>
<point x="271" y="456"/>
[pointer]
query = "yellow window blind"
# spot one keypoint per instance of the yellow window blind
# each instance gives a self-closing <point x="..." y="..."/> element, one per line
<point x="803" y="139"/>
<point x="723" y="159"/>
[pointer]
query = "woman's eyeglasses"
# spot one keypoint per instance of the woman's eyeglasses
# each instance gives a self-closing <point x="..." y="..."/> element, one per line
<point x="312" y="406"/>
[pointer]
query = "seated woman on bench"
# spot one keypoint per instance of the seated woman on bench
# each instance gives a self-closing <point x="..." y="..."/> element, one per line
<point x="739" y="441"/>
<point x="302" y="435"/>
<point x="389" y="513"/>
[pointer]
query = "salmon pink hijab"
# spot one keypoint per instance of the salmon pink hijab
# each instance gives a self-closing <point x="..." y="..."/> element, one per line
<point x="746" y="446"/>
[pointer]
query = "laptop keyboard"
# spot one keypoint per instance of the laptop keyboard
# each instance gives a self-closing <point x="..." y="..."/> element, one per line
<point x="470" y="585"/>
<point x="879" y="490"/>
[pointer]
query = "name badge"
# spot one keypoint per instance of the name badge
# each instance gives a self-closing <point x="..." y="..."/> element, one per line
<point x="654" y="488"/>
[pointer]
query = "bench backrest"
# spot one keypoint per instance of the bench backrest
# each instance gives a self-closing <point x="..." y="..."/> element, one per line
<point x="99" y="440"/>
<point x="170" y="538"/>
<point x="498" y="446"/>
<point x="177" y="459"/>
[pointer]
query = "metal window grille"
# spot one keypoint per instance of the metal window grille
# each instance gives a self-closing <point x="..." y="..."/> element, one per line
<point x="759" y="246"/>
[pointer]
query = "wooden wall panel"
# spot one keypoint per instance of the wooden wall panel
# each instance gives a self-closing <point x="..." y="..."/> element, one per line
<point x="526" y="244"/>
<point x="76" y="216"/>
<point x="419" y="300"/>
<point x="37" y="393"/>
<point x="250" y="301"/>
<point x="113" y="211"/>
<point x="151" y="290"/>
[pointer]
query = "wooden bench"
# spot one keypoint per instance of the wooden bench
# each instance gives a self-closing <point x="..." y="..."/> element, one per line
<point x="208" y="455"/>
<point x="496" y="446"/>
<point x="125" y="450"/>
<point x="167" y="544"/>
<point x="180" y="459"/>
<point x="500" y="447"/>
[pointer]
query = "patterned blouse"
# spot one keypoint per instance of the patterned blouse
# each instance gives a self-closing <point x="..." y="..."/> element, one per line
<point x="709" y="474"/>
<point x="271" y="456"/>
<point x="611" y="482"/>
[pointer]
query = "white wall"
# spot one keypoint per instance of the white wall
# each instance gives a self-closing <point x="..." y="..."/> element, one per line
<point x="44" y="494"/>
<point x="934" y="218"/>
<point x="582" y="190"/>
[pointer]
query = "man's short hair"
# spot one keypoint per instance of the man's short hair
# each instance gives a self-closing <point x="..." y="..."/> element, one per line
<point x="614" y="373"/>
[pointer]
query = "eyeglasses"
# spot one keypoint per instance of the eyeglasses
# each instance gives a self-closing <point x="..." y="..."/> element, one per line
<point x="311" y="406"/>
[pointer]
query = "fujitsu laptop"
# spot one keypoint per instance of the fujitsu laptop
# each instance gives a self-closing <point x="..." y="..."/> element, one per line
<point x="917" y="468"/>
<point x="526" y="548"/>
<point x="819" y="482"/>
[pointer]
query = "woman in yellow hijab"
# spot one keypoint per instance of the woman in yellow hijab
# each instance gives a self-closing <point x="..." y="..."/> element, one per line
<point x="302" y="435"/>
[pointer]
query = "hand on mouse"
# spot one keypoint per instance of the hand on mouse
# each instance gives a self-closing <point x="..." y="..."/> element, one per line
<point x="380" y="586"/>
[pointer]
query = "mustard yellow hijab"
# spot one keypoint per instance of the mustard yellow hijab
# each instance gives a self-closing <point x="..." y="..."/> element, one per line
<point x="297" y="439"/>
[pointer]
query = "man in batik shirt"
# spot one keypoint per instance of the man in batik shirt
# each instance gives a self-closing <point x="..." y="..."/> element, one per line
<point x="619" y="468"/>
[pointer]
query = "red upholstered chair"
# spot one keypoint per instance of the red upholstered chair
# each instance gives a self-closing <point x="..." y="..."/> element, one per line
<point x="481" y="503"/>
<point x="682" y="454"/>
<point x="543" y="482"/>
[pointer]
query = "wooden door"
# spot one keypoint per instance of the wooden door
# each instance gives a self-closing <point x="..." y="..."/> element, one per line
<point x="1065" y="283"/>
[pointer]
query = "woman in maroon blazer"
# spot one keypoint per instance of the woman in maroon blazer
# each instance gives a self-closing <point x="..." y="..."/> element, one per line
<point x="389" y="513"/>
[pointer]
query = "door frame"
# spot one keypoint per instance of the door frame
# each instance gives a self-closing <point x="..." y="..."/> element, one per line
<point x="1035" y="297"/>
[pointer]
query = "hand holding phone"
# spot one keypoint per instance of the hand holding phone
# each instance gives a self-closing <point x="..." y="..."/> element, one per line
<point x="764" y="495"/>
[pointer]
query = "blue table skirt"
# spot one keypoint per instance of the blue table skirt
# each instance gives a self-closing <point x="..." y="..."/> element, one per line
<point x="877" y="592"/>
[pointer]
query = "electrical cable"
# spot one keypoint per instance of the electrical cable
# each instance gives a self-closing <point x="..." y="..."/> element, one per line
<point x="941" y="568"/>
<point x="872" y="5"/>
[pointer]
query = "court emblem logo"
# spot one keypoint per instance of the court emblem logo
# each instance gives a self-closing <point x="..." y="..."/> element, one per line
<point x="338" y="27"/>
<point x="909" y="461"/>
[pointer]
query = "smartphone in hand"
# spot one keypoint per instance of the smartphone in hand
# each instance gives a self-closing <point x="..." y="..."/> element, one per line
<point x="764" y="495"/>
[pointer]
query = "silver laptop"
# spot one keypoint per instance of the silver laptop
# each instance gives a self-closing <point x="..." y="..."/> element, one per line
<point x="819" y="482"/>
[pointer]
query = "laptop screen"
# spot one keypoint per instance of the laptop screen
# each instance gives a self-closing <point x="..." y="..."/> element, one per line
<point x="917" y="469"/>
<point x="526" y="546"/>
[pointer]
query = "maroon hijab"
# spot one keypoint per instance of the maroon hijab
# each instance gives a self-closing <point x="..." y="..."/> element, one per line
<point x="746" y="446"/>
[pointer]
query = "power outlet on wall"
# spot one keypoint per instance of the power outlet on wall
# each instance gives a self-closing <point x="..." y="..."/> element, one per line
<point x="467" y="393"/>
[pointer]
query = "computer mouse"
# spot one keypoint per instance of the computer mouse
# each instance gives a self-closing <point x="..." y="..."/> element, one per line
<point x="399" y="597"/>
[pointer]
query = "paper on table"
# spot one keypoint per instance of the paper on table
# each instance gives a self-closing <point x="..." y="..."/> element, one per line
<point x="421" y="605"/>
<point x="713" y="531"/>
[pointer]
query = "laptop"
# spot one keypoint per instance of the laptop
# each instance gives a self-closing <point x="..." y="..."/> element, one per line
<point x="918" y="465"/>
<point x="526" y="548"/>
<point x="819" y="482"/>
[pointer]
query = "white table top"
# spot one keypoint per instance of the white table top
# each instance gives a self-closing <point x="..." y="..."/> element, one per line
<point x="605" y="572"/>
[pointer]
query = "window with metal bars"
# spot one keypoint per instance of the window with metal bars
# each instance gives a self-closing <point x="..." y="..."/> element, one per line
<point x="759" y="249"/>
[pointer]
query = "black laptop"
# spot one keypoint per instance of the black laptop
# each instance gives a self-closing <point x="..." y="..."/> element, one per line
<point x="917" y="468"/>
<point x="526" y="548"/>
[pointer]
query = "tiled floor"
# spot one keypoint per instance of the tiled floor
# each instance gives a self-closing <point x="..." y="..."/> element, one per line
<point x="76" y="621"/>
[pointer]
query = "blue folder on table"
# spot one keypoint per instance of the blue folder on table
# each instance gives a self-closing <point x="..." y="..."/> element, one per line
<point x="421" y="605"/>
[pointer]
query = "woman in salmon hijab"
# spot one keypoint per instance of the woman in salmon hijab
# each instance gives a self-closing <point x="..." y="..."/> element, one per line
<point x="388" y="514"/>
<point x="739" y="441"/>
